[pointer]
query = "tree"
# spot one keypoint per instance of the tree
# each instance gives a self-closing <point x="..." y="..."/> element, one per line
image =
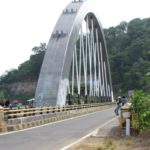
<point x="39" y="49"/>
<point x="2" y="95"/>
<point x="27" y="71"/>
<point x="129" y="54"/>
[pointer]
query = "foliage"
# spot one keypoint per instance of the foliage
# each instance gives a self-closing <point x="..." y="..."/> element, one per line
<point x="27" y="71"/>
<point x="2" y="95"/>
<point x="129" y="53"/>
<point x="140" y="110"/>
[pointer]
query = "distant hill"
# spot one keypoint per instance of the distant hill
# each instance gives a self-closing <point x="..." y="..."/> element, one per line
<point x="128" y="47"/>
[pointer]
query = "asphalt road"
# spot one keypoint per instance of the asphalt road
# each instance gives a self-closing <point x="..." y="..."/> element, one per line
<point x="54" y="136"/>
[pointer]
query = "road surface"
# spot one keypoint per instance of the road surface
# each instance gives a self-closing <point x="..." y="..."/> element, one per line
<point x="55" y="136"/>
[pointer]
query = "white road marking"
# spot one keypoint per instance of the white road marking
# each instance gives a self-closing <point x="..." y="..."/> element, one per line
<point x="93" y="133"/>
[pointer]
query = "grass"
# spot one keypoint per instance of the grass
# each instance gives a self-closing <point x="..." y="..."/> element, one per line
<point x="116" y="142"/>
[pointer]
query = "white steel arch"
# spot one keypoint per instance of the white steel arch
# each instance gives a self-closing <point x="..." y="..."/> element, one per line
<point x="85" y="51"/>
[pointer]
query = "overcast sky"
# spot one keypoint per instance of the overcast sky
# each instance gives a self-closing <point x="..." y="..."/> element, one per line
<point x="27" y="23"/>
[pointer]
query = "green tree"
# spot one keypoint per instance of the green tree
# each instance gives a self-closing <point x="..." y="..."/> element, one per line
<point x="140" y="110"/>
<point x="39" y="49"/>
<point x="129" y="54"/>
<point x="27" y="71"/>
<point x="2" y="95"/>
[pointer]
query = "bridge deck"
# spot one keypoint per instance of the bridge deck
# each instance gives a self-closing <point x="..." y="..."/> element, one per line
<point x="54" y="136"/>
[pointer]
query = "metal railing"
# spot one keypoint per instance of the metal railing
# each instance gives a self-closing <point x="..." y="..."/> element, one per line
<point x="45" y="110"/>
<point x="18" y="119"/>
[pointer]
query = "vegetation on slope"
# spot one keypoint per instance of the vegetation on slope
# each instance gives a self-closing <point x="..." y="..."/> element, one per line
<point x="26" y="72"/>
<point x="129" y="55"/>
<point x="129" y="51"/>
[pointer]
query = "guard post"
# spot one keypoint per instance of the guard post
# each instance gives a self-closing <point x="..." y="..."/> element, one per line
<point x="125" y="118"/>
<point x="3" y="124"/>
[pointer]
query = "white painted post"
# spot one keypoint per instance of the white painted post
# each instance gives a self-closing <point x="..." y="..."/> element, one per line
<point x="126" y="115"/>
<point x="127" y="127"/>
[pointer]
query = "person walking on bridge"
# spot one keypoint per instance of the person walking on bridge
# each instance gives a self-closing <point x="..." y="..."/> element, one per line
<point x="119" y="104"/>
<point x="124" y="100"/>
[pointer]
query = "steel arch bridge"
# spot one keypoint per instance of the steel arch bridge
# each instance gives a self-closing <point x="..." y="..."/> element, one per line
<point x="76" y="57"/>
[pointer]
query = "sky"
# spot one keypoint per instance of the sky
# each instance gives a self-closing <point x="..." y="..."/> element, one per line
<point x="27" y="23"/>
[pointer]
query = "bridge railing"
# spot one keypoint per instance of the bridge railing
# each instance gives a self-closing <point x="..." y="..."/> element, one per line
<point x="12" y="120"/>
<point x="45" y="110"/>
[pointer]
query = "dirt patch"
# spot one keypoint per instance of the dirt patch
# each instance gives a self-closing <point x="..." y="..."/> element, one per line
<point x="116" y="141"/>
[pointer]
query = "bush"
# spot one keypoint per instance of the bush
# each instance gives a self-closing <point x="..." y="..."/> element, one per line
<point x="140" y="111"/>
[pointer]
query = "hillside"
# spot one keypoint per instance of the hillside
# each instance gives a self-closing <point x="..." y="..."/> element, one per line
<point x="129" y="51"/>
<point x="129" y="55"/>
<point x="21" y="83"/>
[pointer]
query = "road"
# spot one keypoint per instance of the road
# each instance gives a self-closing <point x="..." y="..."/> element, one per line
<point x="56" y="135"/>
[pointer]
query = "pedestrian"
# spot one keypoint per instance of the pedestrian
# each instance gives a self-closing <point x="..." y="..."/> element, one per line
<point x="119" y="104"/>
<point x="124" y="100"/>
<point x="7" y="103"/>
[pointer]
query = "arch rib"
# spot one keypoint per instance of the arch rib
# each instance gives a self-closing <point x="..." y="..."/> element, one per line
<point x="53" y="83"/>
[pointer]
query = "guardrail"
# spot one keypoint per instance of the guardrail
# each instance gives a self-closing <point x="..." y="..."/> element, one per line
<point x="42" y="110"/>
<point x="25" y="118"/>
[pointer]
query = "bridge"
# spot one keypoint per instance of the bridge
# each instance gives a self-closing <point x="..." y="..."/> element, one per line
<point x="76" y="61"/>
<point x="55" y="135"/>
<point x="74" y="88"/>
